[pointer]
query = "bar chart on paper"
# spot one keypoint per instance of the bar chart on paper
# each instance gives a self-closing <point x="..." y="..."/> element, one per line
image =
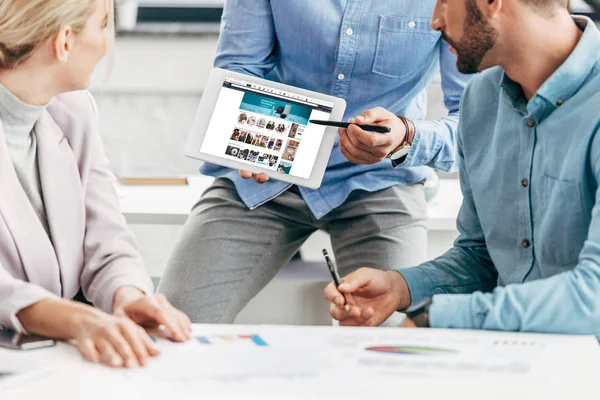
<point x="244" y="340"/>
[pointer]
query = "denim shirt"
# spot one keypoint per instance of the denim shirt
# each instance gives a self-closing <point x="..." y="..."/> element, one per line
<point x="371" y="53"/>
<point x="529" y="243"/>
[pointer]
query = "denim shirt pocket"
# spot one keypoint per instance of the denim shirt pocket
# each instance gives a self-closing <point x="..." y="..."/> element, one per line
<point x="405" y="46"/>
<point x="563" y="228"/>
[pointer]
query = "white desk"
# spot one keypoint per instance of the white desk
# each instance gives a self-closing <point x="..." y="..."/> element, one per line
<point x="484" y="365"/>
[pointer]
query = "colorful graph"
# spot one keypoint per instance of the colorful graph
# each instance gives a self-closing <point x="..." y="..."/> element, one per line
<point x="214" y="339"/>
<point x="412" y="350"/>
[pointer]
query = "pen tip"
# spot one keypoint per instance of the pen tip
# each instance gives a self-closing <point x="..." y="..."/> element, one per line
<point x="324" y="251"/>
<point x="347" y="307"/>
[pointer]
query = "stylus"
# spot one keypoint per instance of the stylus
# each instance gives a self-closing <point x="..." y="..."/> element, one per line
<point x="369" y="128"/>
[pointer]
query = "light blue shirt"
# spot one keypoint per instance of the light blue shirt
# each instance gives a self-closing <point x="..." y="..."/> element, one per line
<point x="371" y="53"/>
<point x="528" y="254"/>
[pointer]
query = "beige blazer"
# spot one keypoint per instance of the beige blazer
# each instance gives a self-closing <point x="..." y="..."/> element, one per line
<point x="90" y="245"/>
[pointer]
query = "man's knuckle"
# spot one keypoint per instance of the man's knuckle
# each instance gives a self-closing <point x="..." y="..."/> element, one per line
<point x="381" y="154"/>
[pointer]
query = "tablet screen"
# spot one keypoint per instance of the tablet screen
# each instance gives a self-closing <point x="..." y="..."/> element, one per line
<point x="266" y="127"/>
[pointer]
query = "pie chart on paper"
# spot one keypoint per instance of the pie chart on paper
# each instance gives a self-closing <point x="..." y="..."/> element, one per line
<point x="410" y="350"/>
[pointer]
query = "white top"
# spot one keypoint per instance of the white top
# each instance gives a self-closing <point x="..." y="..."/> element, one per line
<point x="18" y="120"/>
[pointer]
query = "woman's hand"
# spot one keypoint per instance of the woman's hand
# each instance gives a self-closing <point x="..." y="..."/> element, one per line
<point x="100" y="337"/>
<point x="111" y="340"/>
<point x="152" y="312"/>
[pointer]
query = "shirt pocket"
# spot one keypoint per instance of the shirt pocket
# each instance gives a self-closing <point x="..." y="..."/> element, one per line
<point x="563" y="228"/>
<point x="405" y="46"/>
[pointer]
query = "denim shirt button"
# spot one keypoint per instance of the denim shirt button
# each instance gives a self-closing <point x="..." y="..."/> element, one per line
<point x="412" y="24"/>
<point x="531" y="123"/>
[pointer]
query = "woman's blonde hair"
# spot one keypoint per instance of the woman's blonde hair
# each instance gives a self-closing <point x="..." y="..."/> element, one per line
<point x="25" y="24"/>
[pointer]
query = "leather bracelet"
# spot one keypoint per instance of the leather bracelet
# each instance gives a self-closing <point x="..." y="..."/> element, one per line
<point x="411" y="130"/>
<point x="409" y="135"/>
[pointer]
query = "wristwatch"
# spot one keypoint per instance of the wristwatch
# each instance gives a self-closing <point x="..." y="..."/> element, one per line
<point x="419" y="313"/>
<point x="403" y="148"/>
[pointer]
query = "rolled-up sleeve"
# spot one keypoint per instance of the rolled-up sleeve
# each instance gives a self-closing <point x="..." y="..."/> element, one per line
<point x="434" y="144"/>
<point x="247" y="39"/>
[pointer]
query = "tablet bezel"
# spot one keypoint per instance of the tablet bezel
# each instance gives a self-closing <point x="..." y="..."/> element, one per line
<point x="205" y="111"/>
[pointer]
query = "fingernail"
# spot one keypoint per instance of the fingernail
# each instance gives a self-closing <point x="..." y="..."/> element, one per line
<point x="347" y="307"/>
<point x="344" y="286"/>
<point x="116" y="361"/>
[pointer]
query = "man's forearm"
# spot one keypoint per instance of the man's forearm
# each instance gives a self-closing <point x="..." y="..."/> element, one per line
<point x="459" y="270"/>
<point x="564" y="303"/>
<point x="434" y="144"/>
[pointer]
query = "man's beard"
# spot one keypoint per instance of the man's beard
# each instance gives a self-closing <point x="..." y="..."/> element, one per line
<point x="478" y="38"/>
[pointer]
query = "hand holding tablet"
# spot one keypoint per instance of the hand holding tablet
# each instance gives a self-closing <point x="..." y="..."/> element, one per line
<point x="259" y="126"/>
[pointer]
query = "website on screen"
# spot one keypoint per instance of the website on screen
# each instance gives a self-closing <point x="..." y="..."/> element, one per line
<point x="266" y="127"/>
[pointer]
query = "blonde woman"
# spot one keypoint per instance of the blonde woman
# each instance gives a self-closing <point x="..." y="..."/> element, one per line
<point x="60" y="225"/>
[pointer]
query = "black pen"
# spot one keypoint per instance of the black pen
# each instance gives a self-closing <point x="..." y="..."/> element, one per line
<point x="368" y="128"/>
<point x="335" y="275"/>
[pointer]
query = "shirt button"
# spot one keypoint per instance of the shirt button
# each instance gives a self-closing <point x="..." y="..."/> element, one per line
<point x="531" y="123"/>
<point x="341" y="77"/>
<point x="412" y="24"/>
<point x="525" y="182"/>
<point x="349" y="32"/>
<point x="559" y="102"/>
<point x="525" y="244"/>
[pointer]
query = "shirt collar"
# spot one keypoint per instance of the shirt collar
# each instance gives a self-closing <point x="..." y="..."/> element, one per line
<point x="569" y="77"/>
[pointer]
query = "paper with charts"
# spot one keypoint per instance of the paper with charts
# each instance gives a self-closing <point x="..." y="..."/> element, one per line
<point x="254" y="358"/>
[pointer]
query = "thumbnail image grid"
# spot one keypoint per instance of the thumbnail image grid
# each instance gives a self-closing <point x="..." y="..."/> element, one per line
<point x="256" y="139"/>
<point x="254" y="132"/>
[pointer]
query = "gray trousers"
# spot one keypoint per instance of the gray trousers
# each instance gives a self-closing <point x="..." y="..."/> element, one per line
<point x="228" y="253"/>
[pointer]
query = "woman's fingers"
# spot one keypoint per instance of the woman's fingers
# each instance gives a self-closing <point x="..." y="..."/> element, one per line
<point x="87" y="348"/>
<point x="108" y="355"/>
<point x="131" y="333"/>
<point x="122" y="346"/>
<point x="184" y="322"/>
<point x="153" y="351"/>
<point x="166" y="317"/>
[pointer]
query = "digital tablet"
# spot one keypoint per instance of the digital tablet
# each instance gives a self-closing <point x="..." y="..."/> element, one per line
<point x="250" y="123"/>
